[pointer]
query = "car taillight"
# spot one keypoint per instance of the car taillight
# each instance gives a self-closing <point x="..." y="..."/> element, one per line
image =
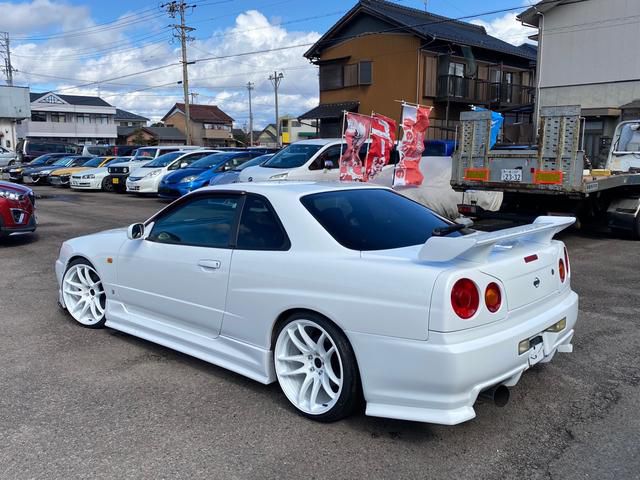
<point x="493" y="297"/>
<point x="465" y="298"/>
<point x="566" y="260"/>
<point x="561" y="270"/>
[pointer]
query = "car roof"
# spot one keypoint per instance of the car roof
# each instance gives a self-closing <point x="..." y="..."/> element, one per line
<point x="317" y="141"/>
<point x="291" y="188"/>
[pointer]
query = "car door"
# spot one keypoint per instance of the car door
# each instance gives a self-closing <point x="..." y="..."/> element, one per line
<point x="325" y="167"/>
<point x="175" y="279"/>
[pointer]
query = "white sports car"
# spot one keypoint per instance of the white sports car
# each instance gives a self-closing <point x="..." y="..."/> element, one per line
<point x="336" y="292"/>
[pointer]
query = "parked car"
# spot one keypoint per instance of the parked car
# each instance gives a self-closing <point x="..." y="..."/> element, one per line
<point x="13" y="173"/>
<point x="199" y="173"/>
<point x="40" y="175"/>
<point x="97" y="150"/>
<point x="125" y="150"/>
<point x="7" y="157"/>
<point x="28" y="150"/>
<point x="17" y="209"/>
<point x="62" y="177"/>
<point x="118" y="174"/>
<point x="96" y="178"/>
<point x="317" y="160"/>
<point x="335" y="290"/>
<point x="146" y="179"/>
<point x="231" y="176"/>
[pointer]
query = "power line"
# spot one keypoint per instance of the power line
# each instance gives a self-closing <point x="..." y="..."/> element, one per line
<point x="6" y="53"/>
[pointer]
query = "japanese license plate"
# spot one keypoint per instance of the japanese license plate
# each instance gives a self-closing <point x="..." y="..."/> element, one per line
<point x="75" y="183"/>
<point x="27" y="179"/>
<point x="536" y="354"/>
<point x="511" y="175"/>
<point x="115" y="180"/>
<point x="6" y="176"/>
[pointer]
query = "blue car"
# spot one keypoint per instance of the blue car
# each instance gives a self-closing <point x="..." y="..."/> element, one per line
<point x="231" y="176"/>
<point x="200" y="172"/>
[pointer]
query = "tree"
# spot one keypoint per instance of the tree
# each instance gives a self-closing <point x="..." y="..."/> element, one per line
<point x="157" y="124"/>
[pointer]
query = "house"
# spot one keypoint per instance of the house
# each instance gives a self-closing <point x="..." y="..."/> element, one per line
<point x="292" y="129"/>
<point x="128" y="119"/>
<point x="210" y="126"/>
<point x="268" y="137"/>
<point x="380" y="52"/>
<point x="14" y="107"/>
<point x="150" y="136"/>
<point x="587" y="56"/>
<point x="69" y="118"/>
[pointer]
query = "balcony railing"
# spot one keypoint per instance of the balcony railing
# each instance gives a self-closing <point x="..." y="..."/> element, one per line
<point x="472" y="90"/>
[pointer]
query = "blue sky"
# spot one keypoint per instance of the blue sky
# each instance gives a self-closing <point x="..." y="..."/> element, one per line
<point x="86" y="47"/>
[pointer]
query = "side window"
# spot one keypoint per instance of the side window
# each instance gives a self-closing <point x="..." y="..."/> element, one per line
<point x="330" y="159"/>
<point x="260" y="228"/>
<point x="202" y="222"/>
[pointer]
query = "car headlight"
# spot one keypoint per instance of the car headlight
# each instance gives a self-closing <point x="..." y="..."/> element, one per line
<point x="153" y="173"/>
<point x="10" y="195"/>
<point x="279" y="176"/>
<point x="89" y="176"/>
<point x="15" y="170"/>
<point x="188" y="179"/>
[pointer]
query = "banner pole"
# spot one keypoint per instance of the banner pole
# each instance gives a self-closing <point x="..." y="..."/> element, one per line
<point x="344" y="116"/>
<point x="398" y="141"/>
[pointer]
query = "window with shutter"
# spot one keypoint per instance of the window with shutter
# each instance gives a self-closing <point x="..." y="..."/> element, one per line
<point x="365" y="73"/>
<point x="351" y="75"/>
<point x="331" y="76"/>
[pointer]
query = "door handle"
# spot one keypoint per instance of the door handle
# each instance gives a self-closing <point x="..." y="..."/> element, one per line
<point x="210" y="264"/>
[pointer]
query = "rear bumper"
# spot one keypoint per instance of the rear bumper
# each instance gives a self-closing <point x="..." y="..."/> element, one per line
<point x="438" y="380"/>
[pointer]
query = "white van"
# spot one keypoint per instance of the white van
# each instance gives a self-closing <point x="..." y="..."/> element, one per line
<point x="316" y="160"/>
<point x="149" y="153"/>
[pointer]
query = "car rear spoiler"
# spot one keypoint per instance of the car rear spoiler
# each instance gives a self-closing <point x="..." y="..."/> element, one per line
<point x="477" y="246"/>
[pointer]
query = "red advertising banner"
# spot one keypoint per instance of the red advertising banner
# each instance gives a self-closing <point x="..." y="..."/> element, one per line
<point x="415" y="121"/>
<point x="356" y="134"/>
<point x="383" y="138"/>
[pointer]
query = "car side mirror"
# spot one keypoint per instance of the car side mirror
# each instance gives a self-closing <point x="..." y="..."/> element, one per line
<point x="135" y="231"/>
<point x="328" y="164"/>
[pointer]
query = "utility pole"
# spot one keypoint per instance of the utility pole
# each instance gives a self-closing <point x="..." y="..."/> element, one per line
<point x="276" y="78"/>
<point x="193" y="97"/>
<point x="175" y="8"/>
<point x="250" y="87"/>
<point x="6" y="52"/>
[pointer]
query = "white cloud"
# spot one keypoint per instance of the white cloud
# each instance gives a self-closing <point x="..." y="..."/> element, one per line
<point x="507" y="28"/>
<point x="21" y="18"/>
<point x="219" y="82"/>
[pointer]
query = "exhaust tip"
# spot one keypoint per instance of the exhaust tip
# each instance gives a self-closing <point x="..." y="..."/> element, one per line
<point x="499" y="395"/>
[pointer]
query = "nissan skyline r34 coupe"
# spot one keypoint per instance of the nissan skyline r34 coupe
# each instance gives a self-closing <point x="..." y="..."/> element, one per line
<point x="335" y="291"/>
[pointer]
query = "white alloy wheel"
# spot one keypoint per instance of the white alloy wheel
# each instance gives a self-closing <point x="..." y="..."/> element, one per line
<point x="84" y="295"/>
<point x="309" y="367"/>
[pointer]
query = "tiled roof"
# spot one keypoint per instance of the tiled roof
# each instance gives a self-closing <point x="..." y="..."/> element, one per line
<point x="330" y="110"/>
<point x="124" y="115"/>
<point x="81" y="100"/>
<point x="161" y="133"/>
<point x="426" y="25"/>
<point x="203" y="113"/>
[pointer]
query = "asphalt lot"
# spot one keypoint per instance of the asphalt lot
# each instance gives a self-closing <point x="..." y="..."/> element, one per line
<point x="80" y="403"/>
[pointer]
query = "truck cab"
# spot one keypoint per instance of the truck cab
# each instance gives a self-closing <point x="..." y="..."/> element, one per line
<point x="624" y="155"/>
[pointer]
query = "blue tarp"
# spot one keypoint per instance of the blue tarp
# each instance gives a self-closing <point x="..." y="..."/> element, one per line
<point x="496" y="124"/>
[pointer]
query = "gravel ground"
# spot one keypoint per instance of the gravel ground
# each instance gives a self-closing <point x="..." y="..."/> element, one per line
<point x="78" y="403"/>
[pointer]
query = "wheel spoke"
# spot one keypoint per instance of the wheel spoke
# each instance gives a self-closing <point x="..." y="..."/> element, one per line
<point x="292" y="358"/>
<point x="94" y="312"/>
<point x="74" y="284"/>
<point x="303" y="389"/>
<point x="327" y="355"/>
<point x="326" y="386"/>
<point x="307" y="339"/>
<point x="320" y="344"/>
<point x="314" y="391"/>
<point x="75" y="293"/>
<point x="296" y="341"/>
<point x="297" y="371"/>
<point x="332" y="376"/>
<point x="87" y="304"/>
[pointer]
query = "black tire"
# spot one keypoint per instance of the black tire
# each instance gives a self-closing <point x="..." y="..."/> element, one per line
<point x="82" y="261"/>
<point x="351" y="393"/>
<point x="636" y="228"/>
<point x="106" y="186"/>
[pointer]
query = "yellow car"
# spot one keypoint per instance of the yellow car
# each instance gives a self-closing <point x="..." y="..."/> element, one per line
<point x="61" y="177"/>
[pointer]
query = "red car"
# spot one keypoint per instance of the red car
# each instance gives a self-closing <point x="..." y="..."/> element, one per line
<point x="17" y="209"/>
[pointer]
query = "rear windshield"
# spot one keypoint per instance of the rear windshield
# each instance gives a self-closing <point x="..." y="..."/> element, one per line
<point x="293" y="156"/>
<point x="373" y="219"/>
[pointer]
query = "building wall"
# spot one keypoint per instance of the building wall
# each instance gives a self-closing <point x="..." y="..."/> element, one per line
<point x="8" y="137"/>
<point x="395" y="71"/>
<point x="199" y="134"/>
<point x="71" y="129"/>
<point x="590" y="42"/>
